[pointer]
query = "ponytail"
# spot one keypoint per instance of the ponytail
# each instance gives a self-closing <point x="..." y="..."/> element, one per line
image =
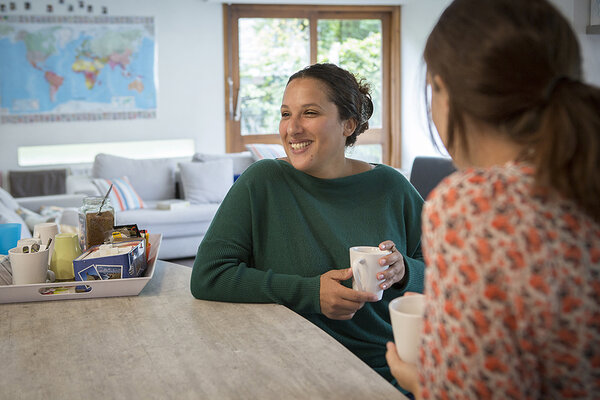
<point x="567" y="149"/>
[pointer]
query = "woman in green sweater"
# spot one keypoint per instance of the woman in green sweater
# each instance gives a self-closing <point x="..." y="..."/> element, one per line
<point x="283" y="232"/>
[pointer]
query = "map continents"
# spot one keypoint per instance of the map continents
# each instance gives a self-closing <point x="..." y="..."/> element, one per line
<point x="77" y="68"/>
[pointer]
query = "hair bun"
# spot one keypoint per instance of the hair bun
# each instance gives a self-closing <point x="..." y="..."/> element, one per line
<point x="366" y="109"/>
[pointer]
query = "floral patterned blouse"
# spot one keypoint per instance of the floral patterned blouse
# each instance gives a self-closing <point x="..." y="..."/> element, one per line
<point x="513" y="291"/>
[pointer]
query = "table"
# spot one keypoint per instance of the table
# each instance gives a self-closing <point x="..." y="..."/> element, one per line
<point x="165" y="344"/>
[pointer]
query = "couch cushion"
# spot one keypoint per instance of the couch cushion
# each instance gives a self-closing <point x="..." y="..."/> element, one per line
<point x="192" y="220"/>
<point x="122" y="196"/>
<point x="241" y="160"/>
<point x="153" y="179"/>
<point x="8" y="200"/>
<point x="206" y="182"/>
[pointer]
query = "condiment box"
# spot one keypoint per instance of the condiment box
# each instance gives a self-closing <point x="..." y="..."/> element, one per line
<point x="130" y="263"/>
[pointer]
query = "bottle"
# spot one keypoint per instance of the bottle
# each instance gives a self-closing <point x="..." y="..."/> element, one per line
<point x="93" y="222"/>
<point x="66" y="249"/>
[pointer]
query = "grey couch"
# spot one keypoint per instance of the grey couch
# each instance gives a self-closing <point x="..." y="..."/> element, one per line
<point x="203" y="181"/>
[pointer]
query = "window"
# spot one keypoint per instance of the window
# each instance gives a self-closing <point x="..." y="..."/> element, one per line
<point x="265" y="44"/>
<point x="58" y="154"/>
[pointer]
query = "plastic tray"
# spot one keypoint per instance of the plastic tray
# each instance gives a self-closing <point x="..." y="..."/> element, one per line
<point x="82" y="289"/>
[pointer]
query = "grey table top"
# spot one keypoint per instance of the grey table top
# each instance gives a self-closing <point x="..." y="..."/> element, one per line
<point x="164" y="344"/>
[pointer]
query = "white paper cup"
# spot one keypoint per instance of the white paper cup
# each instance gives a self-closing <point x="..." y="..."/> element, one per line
<point x="45" y="231"/>
<point x="406" y="313"/>
<point x="29" y="267"/>
<point x="364" y="261"/>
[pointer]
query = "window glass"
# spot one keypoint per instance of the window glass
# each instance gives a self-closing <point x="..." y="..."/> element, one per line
<point x="271" y="49"/>
<point x="355" y="44"/>
<point x="371" y="153"/>
<point x="28" y="156"/>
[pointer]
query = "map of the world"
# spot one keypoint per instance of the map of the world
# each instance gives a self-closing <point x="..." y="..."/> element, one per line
<point x="77" y="68"/>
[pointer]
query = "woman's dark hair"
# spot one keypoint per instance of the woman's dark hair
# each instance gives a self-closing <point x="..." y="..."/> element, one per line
<point x="351" y="96"/>
<point x="516" y="65"/>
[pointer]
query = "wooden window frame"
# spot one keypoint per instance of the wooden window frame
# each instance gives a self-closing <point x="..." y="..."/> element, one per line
<point x="389" y="135"/>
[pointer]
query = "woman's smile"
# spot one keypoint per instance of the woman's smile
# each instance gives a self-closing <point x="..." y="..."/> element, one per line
<point x="298" y="147"/>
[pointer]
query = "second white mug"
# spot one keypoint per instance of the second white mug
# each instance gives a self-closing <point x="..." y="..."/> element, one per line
<point x="406" y="314"/>
<point x="31" y="267"/>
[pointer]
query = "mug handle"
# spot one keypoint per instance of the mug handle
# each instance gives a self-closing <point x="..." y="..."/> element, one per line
<point x="356" y="273"/>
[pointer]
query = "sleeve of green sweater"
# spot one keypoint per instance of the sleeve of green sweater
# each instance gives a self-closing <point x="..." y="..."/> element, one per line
<point x="223" y="268"/>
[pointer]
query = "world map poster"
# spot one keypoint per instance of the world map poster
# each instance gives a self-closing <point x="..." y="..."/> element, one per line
<point x="77" y="68"/>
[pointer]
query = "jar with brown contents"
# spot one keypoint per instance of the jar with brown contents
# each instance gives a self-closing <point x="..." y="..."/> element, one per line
<point x="93" y="225"/>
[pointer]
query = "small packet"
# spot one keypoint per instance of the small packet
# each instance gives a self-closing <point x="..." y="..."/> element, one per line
<point x="122" y="233"/>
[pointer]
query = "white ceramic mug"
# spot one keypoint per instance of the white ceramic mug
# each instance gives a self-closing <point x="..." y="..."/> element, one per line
<point x="45" y="231"/>
<point x="406" y="313"/>
<point x="30" y="267"/>
<point x="364" y="261"/>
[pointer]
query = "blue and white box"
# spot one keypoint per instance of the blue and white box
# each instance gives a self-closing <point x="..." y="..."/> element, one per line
<point x="111" y="261"/>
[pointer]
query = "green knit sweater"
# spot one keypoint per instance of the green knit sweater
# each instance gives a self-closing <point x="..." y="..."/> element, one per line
<point x="279" y="229"/>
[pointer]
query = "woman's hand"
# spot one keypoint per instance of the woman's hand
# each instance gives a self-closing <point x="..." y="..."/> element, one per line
<point x="338" y="301"/>
<point x="406" y="374"/>
<point x="396" y="269"/>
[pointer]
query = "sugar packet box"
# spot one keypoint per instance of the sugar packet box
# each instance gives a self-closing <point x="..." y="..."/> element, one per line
<point x="111" y="261"/>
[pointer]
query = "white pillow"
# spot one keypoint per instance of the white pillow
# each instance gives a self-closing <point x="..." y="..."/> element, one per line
<point x="8" y="216"/>
<point x="206" y="182"/>
<point x="8" y="201"/>
<point x="241" y="161"/>
<point x="153" y="179"/>
<point x="261" y="151"/>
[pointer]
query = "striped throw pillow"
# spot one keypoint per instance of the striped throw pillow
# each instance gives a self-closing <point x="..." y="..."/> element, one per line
<point x="122" y="196"/>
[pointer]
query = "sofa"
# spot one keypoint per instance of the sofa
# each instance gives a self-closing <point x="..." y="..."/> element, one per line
<point x="175" y="197"/>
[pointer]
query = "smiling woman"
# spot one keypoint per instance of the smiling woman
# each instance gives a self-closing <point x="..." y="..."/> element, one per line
<point x="283" y="233"/>
<point x="324" y="110"/>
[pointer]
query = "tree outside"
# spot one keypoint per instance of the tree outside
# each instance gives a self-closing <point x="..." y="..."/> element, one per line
<point x="272" y="49"/>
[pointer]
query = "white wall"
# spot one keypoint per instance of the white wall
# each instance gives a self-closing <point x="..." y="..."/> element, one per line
<point x="189" y="34"/>
<point x="191" y="79"/>
<point x="418" y="18"/>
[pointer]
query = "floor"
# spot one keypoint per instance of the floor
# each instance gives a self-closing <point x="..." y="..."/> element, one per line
<point x="188" y="262"/>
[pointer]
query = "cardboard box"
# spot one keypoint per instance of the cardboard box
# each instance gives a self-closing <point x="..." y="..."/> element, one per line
<point x="131" y="264"/>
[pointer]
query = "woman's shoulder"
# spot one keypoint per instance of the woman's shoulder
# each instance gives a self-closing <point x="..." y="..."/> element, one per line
<point x="392" y="177"/>
<point x="260" y="167"/>
<point x="495" y="179"/>
<point x="262" y="172"/>
<point x="484" y="191"/>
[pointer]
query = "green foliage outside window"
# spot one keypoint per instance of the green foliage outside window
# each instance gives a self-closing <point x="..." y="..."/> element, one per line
<point x="271" y="49"/>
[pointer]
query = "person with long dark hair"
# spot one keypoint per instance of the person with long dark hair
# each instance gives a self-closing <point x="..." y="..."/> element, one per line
<point x="512" y="240"/>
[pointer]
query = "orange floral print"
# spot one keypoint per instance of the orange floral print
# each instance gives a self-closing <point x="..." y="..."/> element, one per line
<point x="512" y="290"/>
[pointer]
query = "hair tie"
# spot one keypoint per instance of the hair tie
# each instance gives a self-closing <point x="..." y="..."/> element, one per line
<point x="553" y="85"/>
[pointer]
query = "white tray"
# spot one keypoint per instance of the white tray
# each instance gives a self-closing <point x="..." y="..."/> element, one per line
<point x="67" y="290"/>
